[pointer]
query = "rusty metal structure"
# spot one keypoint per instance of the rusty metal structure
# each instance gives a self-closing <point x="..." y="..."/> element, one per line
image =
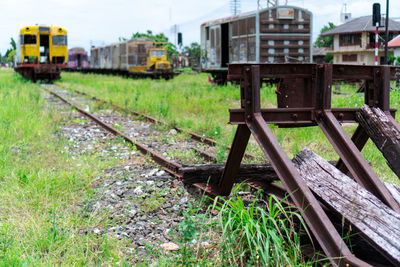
<point x="275" y="34"/>
<point x="304" y="99"/>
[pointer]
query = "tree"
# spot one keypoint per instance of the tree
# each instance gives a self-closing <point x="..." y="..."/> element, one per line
<point x="193" y="52"/>
<point x="160" y="37"/>
<point x="11" y="52"/>
<point x="325" y="41"/>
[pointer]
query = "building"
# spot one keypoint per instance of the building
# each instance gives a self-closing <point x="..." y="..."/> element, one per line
<point x="354" y="41"/>
<point x="395" y="44"/>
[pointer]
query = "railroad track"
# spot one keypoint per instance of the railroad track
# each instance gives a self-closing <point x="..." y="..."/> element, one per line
<point x="177" y="167"/>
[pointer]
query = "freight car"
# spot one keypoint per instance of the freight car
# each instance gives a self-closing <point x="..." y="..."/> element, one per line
<point x="41" y="52"/>
<point x="77" y="59"/>
<point x="278" y="34"/>
<point x="138" y="57"/>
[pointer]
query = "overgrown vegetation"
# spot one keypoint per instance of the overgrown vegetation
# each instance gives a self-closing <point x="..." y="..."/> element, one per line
<point x="40" y="186"/>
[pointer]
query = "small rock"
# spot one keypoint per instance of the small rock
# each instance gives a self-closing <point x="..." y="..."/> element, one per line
<point x="138" y="191"/>
<point x="132" y="213"/>
<point x="150" y="183"/>
<point x="96" y="231"/>
<point x="184" y="200"/>
<point x="204" y="244"/>
<point x="152" y="172"/>
<point x="169" y="246"/>
<point x="173" y="131"/>
<point x="162" y="172"/>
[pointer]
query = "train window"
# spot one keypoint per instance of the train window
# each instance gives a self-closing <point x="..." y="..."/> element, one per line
<point x="158" y="53"/>
<point x="28" y="39"/>
<point x="59" y="40"/>
<point x="44" y="29"/>
<point x="207" y="33"/>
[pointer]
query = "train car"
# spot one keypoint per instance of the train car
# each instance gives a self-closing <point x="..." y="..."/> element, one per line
<point x="139" y="57"/>
<point x="77" y="59"/>
<point x="278" y="34"/>
<point x="41" y="52"/>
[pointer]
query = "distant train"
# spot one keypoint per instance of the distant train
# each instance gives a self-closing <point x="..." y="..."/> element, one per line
<point x="139" y="57"/>
<point x="77" y="58"/>
<point x="277" y="34"/>
<point x="41" y="52"/>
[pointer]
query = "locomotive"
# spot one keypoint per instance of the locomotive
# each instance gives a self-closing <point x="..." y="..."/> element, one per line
<point x="276" y="34"/>
<point x="41" y="52"/>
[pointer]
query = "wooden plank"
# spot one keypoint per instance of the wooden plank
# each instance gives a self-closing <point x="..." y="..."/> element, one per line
<point x="248" y="172"/>
<point x="378" y="223"/>
<point x="395" y="191"/>
<point x="384" y="134"/>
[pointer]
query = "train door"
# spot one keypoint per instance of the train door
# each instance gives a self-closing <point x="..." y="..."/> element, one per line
<point x="215" y="46"/>
<point x="224" y="44"/>
<point x="79" y="60"/>
<point x="44" y="48"/>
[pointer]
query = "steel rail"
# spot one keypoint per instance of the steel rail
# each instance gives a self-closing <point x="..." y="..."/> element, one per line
<point x="171" y="167"/>
<point x="193" y="135"/>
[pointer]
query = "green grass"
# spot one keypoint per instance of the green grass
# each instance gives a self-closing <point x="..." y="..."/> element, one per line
<point x="40" y="186"/>
<point x="190" y="102"/>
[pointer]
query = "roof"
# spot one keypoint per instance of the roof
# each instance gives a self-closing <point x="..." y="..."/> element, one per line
<point x="361" y="24"/>
<point x="249" y="14"/>
<point x="395" y="42"/>
<point x="320" y="51"/>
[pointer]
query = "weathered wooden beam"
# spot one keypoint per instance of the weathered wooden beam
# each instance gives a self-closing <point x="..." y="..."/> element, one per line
<point x="395" y="191"/>
<point x="384" y="134"/>
<point x="378" y="223"/>
<point x="212" y="173"/>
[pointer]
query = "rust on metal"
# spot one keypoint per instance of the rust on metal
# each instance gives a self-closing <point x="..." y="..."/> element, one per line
<point x="304" y="99"/>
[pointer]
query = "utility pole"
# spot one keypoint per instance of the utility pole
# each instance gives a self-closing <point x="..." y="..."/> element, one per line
<point x="386" y="32"/>
<point x="235" y="7"/>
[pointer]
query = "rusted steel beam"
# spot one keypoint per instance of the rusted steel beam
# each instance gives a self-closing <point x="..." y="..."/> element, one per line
<point x="235" y="157"/>
<point x="305" y="70"/>
<point x="329" y="239"/>
<point x="352" y="158"/>
<point x="296" y="116"/>
<point x="359" y="138"/>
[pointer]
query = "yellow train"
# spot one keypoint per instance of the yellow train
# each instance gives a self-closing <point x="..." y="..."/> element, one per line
<point x="41" y="52"/>
<point x="140" y="57"/>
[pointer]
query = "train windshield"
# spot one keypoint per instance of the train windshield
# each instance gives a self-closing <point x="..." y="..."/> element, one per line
<point x="158" y="53"/>
<point x="28" y="39"/>
<point x="60" y="40"/>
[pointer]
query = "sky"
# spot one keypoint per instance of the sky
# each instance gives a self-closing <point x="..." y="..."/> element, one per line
<point x="101" y="22"/>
